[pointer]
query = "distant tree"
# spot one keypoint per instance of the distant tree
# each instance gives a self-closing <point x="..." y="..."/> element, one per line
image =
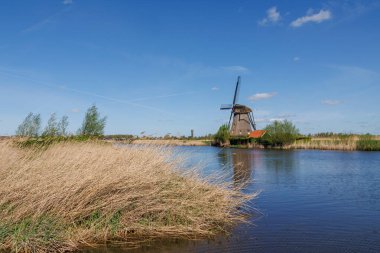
<point x="51" y="128"/>
<point x="22" y="128"/>
<point x="62" y="126"/>
<point x="280" y="133"/>
<point x="30" y="126"/>
<point x="222" y="137"/>
<point x="92" y="124"/>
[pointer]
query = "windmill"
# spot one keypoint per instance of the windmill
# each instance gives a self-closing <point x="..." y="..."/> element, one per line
<point x="242" y="117"/>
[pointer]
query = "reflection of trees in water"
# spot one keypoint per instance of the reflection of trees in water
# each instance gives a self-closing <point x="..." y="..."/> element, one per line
<point x="281" y="161"/>
<point x="241" y="162"/>
<point x="280" y="166"/>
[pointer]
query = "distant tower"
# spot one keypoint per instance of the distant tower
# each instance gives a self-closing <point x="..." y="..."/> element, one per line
<point x="242" y="118"/>
<point x="192" y="133"/>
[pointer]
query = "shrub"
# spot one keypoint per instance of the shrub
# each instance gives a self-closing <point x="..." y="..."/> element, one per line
<point x="223" y="135"/>
<point x="280" y="133"/>
<point x="367" y="143"/>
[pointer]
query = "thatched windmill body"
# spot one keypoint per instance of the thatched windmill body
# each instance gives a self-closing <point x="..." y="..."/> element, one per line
<point x="242" y="117"/>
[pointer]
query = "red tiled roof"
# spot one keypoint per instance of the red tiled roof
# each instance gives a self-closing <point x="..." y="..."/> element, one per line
<point x="257" y="134"/>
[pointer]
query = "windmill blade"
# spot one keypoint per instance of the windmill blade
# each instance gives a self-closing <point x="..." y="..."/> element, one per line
<point x="226" y="107"/>
<point x="229" y="122"/>
<point x="236" y="91"/>
<point x="252" y="120"/>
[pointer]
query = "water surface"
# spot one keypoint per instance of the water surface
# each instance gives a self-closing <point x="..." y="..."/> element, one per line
<point x="310" y="201"/>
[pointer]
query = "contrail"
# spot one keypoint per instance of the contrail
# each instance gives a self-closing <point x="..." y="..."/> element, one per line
<point x="38" y="25"/>
<point x="163" y="96"/>
<point x="129" y="102"/>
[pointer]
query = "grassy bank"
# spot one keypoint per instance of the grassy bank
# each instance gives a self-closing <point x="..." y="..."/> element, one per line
<point x="348" y="143"/>
<point x="85" y="193"/>
<point x="360" y="143"/>
<point x="173" y="142"/>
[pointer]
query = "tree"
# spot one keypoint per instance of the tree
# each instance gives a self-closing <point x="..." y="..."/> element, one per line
<point x="62" y="126"/>
<point x="30" y="126"/>
<point x="222" y="137"/>
<point x="280" y="133"/>
<point x="51" y="128"/>
<point x="92" y="124"/>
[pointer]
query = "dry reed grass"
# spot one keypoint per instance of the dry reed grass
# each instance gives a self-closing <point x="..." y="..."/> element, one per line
<point x="347" y="144"/>
<point x="76" y="194"/>
<point x="173" y="142"/>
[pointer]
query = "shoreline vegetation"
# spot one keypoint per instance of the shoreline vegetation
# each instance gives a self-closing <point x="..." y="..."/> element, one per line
<point x="277" y="135"/>
<point x="285" y="135"/>
<point x="354" y="143"/>
<point x="342" y="142"/>
<point x="65" y="195"/>
<point x="345" y="143"/>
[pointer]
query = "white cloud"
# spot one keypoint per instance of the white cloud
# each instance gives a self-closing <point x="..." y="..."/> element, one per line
<point x="236" y="68"/>
<point x="76" y="110"/>
<point x="67" y="1"/>
<point x="261" y="96"/>
<point x="276" y="119"/>
<point x="296" y="58"/>
<point x="262" y="112"/>
<point x="273" y="16"/>
<point x="331" y="102"/>
<point x="319" y="17"/>
<point x="268" y="120"/>
<point x="214" y="88"/>
<point x="261" y="120"/>
<point x="355" y="71"/>
<point x="279" y="117"/>
<point x="287" y="115"/>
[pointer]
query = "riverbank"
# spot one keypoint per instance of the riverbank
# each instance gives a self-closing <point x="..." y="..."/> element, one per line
<point x="73" y="194"/>
<point x="352" y="143"/>
<point x="345" y="143"/>
<point x="173" y="142"/>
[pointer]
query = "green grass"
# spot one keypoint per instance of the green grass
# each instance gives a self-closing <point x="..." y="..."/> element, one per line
<point x="39" y="234"/>
<point x="44" y="142"/>
<point x="368" y="143"/>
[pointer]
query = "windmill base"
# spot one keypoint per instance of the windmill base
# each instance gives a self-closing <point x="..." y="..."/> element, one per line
<point x="241" y="141"/>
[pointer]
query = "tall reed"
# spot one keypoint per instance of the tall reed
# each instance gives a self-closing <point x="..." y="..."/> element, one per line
<point x="348" y="143"/>
<point x="74" y="194"/>
<point x="340" y="142"/>
<point x="368" y="143"/>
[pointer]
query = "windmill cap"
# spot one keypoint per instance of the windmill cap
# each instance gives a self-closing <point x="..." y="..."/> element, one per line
<point x="241" y="108"/>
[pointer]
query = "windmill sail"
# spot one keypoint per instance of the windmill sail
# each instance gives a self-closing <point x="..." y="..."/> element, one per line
<point x="236" y="95"/>
<point x="226" y="107"/>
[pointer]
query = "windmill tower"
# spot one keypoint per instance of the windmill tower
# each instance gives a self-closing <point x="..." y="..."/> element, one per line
<point x="242" y="117"/>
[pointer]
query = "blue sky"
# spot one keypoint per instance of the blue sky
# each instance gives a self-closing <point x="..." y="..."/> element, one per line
<point x="166" y="66"/>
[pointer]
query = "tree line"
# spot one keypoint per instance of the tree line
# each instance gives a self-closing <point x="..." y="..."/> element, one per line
<point x="278" y="134"/>
<point x="93" y="125"/>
